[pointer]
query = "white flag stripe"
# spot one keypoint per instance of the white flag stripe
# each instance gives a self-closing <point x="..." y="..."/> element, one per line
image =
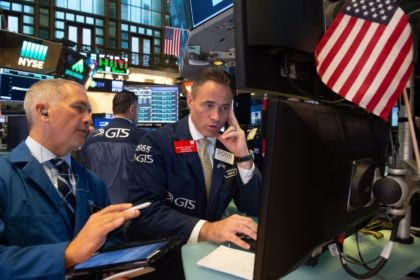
<point x="331" y="42"/>
<point x="365" y="68"/>
<point x="379" y="48"/>
<point x="355" y="58"/>
<point x="342" y="52"/>
<point x="401" y="71"/>
<point x="396" y="49"/>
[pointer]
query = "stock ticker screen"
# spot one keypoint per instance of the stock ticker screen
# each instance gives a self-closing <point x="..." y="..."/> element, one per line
<point x="157" y="104"/>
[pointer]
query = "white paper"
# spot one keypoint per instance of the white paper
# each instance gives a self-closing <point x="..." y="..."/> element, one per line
<point x="232" y="261"/>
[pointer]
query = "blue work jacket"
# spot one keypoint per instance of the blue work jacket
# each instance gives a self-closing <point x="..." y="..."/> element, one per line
<point x="174" y="183"/>
<point x="34" y="226"/>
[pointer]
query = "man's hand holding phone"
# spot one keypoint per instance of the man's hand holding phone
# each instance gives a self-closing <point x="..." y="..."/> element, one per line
<point x="234" y="139"/>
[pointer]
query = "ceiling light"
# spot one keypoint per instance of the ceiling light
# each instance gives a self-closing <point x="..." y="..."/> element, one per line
<point x="218" y="62"/>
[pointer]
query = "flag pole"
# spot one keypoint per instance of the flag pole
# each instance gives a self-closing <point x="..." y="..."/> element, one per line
<point x="411" y="127"/>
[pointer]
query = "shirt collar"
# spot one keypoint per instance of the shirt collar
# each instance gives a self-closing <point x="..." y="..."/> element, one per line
<point x="196" y="135"/>
<point x="42" y="154"/>
<point x="119" y="117"/>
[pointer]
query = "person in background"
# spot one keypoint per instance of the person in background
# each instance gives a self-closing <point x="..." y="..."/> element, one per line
<point x="49" y="204"/>
<point x="169" y="172"/>
<point x="108" y="151"/>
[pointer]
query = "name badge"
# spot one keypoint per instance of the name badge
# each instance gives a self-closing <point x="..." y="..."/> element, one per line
<point x="224" y="156"/>
<point x="231" y="172"/>
<point x="185" y="146"/>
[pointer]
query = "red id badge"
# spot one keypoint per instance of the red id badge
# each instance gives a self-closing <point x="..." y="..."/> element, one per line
<point x="185" y="146"/>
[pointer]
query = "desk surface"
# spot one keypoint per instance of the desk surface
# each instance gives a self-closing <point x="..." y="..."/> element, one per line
<point x="404" y="259"/>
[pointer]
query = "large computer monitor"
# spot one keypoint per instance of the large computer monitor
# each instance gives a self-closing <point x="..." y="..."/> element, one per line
<point x="15" y="83"/>
<point x="158" y="104"/>
<point x="318" y="172"/>
<point x="274" y="45"/>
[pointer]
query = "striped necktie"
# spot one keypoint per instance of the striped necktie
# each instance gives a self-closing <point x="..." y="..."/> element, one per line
<point x="205" y="163"/>
<point x="64" y="186"/>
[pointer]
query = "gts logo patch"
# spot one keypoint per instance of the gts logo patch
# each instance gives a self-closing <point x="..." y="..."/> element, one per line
<point x="112" y="133"/>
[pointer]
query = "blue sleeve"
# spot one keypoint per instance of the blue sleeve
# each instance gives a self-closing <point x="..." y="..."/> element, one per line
<point x="33" y="262"/>
<point x="148" y="181"/>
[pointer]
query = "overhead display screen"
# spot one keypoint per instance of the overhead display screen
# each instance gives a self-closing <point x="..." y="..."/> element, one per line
<point x="203" y="10"/>
<point x="111" y="64"/>
<point x="15" y="83"/>
<point x="157" y="104"/>
<point x="27" y="53"/>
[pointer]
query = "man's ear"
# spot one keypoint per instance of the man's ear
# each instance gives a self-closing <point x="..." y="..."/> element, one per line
<point x="189" y="100"/>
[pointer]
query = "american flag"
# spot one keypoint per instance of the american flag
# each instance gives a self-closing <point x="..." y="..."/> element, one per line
<point x="172" y="41"/>
<point x="366" y="54"/>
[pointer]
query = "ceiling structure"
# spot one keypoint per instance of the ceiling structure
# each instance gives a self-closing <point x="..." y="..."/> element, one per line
<point x="209" y="42"/>
<point x="214" y="40"/>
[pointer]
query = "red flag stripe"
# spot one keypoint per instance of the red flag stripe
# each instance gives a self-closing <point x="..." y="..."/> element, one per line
<point x="172" y="40"/>
<point x="388" y="107"/>
<point x="349" y="51"/>
<point x="390" y="39"/>
<point x="355" y="62"/>
<point x="364" y="65"/>
<point x="334" y="44"/>
<point x="391" y="75"/>
<point x="366" y="54"/>
<point x="396" y="87"/>
<point x="386" y="89"/>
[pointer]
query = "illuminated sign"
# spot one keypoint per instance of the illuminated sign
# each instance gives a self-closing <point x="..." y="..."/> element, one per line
<point x="26" y="53"/>
<point x="112" y="64"/>
<point x="76" y="71"/>
<point x="32" y="55"/>
<point x="78" y="66"/>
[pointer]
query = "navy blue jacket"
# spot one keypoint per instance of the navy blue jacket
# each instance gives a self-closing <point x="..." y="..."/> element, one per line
<point x="174" y="183"/>
<point x="34" y="225"/>
<point x="108" y="152"/>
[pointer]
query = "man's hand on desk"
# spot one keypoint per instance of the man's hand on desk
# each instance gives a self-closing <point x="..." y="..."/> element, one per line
<point x="228" y="229"/>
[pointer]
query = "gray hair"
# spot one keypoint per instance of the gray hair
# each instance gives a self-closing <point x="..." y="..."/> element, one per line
<point x="45" y="91"/>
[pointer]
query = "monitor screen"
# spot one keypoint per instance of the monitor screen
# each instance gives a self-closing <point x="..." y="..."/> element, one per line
<point x="74" y="66"/>
<point x="15" y="83"/>
<point x="320" y="164"/>
<point x="203" y="10"/>
<point x="106" y="85"/>
<point x="28" y="53"/>
<point x="274" y="44"/>
<point x="111" y="64"/>
<point x="158" y="104"/>
<point x="101" y="120"/>
<point x="17" y="130"/>
<point x="256" y="111"/>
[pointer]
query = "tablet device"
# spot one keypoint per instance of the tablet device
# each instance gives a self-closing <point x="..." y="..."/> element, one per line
<point x="127" y="257"/>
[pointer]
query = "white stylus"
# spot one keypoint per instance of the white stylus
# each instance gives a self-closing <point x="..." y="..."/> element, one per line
<point x="138" y="207"/>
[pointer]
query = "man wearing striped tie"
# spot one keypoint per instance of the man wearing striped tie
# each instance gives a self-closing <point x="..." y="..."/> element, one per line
<point x="45" y="231"/>
<point x="190" y="171"/>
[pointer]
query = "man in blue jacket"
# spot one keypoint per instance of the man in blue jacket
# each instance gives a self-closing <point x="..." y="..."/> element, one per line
<point x="168" y="172"/>
<point x="109" y="151"/>
<point x="42" y="234"/>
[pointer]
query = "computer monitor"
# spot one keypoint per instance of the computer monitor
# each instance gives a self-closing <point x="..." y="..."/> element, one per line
<point x="17" y="130"/>
<point x="15" y="83"/>
<point x="101" y="120"/>
<point x="318" y="171"/>
<point x="274" y="45"/>
<point x="158" y="104"/>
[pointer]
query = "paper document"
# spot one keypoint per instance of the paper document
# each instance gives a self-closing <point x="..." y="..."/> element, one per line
<point x="231" y="261"/>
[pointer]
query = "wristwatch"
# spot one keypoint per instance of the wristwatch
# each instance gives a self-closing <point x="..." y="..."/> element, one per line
<point x="245" y="158"/>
